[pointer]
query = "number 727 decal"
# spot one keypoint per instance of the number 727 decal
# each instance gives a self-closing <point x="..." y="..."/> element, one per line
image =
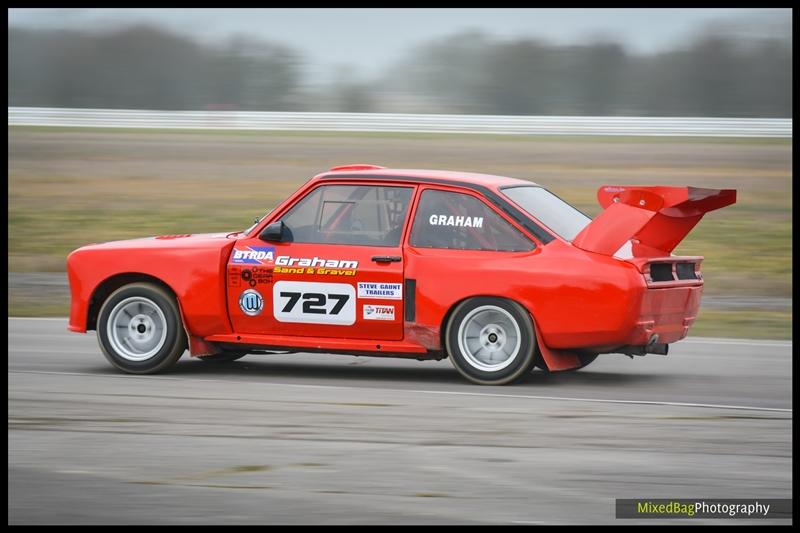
<point x="314" y="303"/>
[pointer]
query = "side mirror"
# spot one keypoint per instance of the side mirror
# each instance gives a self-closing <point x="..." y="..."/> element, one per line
<point x="275" y="232"/>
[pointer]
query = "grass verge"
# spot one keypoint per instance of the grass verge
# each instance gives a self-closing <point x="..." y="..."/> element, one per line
<point x="73" y="186"/>
<point x="658" y="139"/>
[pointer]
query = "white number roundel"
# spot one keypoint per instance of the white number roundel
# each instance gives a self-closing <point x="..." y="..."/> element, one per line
<point x="314" y="303"/>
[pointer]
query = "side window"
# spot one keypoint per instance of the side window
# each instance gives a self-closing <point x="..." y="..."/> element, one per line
<point x="460" y="221"/>
<point x="368" y="215"/>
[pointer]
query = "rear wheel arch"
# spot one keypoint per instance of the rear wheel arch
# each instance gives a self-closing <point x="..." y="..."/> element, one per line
<point x="449" y="314"/>
<point x="511" y="329"/>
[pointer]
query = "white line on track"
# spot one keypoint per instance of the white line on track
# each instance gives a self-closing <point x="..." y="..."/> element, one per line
<point x="37" y="318"/>
<point x="738" y="342"/>
<point x="38" y="351"/>
<point x="690" y="340"/>
<point x="406" y="391"/>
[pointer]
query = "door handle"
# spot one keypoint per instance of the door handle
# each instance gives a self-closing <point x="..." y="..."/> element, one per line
<point x="387" y="258"/>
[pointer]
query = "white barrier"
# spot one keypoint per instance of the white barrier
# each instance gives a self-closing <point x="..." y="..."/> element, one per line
<point x="383" y="122"/>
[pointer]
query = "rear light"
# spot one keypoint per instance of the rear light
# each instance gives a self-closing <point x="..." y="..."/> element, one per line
<point x="675" y="270"/>
<point x="685" y="270"/>
<point x="661" y="272"/>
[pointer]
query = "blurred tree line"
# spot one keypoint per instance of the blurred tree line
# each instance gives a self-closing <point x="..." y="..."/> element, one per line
<point x="144" y="67"/>
<point x="147" y="67"/>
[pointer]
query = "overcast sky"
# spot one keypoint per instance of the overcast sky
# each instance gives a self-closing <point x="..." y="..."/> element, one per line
<point x="371" y="39"/>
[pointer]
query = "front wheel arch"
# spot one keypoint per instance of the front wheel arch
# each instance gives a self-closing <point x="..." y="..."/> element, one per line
<point x="153" y="337"/>
<point x="106" y="287"/>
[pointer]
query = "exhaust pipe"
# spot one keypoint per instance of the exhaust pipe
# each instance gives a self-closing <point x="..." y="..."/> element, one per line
<point x="660" y="349"/>
<point x="652" y="346"/>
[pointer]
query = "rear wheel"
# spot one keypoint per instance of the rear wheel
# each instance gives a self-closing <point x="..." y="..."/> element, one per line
<point x="139" y="329"/>
<point x="491" y="341"/>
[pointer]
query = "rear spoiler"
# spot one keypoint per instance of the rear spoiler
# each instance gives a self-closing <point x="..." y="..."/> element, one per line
<point x="655" y="219"/>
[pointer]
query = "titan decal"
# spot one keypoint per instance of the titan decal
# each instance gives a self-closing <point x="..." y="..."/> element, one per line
<point x="378" y="312"/>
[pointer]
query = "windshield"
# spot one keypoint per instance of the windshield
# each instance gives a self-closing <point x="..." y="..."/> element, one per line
<point x="549" y="209"/>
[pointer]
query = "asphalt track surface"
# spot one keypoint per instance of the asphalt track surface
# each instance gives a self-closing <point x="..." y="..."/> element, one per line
<point x="327" y="439"/>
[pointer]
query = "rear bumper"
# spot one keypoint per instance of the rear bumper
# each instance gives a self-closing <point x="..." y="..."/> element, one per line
<point x="667" y="312"/>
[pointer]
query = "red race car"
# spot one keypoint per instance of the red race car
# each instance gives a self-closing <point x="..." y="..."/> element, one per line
<point x="497" y="273"/>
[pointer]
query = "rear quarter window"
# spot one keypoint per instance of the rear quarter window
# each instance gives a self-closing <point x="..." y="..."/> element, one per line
<point x="555" y="213"/>
<point x="459" y="221"/>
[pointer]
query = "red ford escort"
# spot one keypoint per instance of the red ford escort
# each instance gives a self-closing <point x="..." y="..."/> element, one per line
<point x="498" y="274"/>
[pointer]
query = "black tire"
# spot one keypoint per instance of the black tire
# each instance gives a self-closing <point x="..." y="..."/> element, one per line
<point x="517" y="364"/>
<point x="224" y="357"/>
<point x="155" y="299"/>
<point x="585" y="358"/>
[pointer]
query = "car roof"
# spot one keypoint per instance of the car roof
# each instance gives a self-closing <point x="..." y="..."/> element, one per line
<point x="472" y="178"/>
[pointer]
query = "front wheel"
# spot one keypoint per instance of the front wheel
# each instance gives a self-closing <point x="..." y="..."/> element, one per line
<point x="491" y="341"/>
<point x="139" y="329"/>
